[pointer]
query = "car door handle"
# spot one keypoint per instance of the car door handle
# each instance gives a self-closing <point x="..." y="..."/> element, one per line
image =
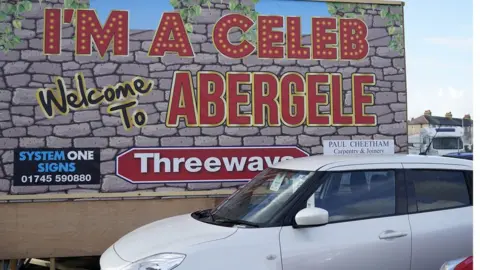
<point x="389" y="234"/>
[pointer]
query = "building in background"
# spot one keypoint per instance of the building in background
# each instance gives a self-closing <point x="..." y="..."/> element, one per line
<point x="429" y="121"/>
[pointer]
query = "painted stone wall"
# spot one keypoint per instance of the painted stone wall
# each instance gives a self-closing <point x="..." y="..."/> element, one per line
<point x="25" y="69"/>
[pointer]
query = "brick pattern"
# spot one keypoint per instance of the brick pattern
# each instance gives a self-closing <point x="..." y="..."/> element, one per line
<point x="25" y="69"/>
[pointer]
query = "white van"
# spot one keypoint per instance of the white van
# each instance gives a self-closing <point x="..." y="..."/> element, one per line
<point x="321" y="212"/>
<point x="437" y="141"/>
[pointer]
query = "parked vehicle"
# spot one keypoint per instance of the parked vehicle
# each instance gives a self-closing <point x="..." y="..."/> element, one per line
<point x="463" y="155"/>
<point x="459" y="264"/>
<point x="405" y="212"/>
<point x="436" y="141"/>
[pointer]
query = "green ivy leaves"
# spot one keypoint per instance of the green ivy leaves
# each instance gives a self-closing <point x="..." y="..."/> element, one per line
<point x="175" y="3"/>
<point x="17" y="24"/>
<point x="243" y="9"/>
<point x="395" y="29"/>
<point x="14" y="10"/>
<point x="237" y="7"/>
<point x="394" y="22"/>
<point x="233" y="5"/>
<point x="332" y="9"/>
<point x="75" y="4"/>
<point x="8" y="38"/>
<point x="189" y="10"/>
<point x="383" y="11"/>
<point x="189" y="27"/>
<point x="391" y="30"/>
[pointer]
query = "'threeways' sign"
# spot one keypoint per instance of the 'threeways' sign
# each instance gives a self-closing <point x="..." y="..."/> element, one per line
<point x="200" y="164"/>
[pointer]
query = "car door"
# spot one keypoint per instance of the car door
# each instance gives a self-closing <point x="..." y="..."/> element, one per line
<point x="441" y="217"/>
<point x="368" y="225"/>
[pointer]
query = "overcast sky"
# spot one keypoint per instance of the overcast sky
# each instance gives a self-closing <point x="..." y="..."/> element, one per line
<point x="439" y="56"/>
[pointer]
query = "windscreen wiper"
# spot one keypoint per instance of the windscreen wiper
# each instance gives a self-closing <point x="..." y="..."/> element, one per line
<point x="235" y="222"/>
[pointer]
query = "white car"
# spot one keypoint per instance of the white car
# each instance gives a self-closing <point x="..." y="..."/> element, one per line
<point x="322" y="212"/>
<point x="459" y="264"/>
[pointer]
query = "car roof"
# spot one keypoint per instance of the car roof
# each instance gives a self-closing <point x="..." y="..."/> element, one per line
<point x="316" y="162"/>
<point x="461" y="156"/>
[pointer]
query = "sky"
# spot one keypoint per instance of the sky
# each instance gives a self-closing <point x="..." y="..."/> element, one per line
<point x="438" y="42"/>
<point x="152" y="10"/>
<point x="439" y="56"/>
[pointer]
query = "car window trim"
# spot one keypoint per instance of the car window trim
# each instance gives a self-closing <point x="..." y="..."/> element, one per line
<point x="412" y="197"/>
<point x="469" y="179"/>
<point x="400" y="196"/>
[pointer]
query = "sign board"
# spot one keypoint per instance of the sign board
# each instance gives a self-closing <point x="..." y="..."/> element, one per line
<point x="40" y="167"/>
<point x="231" y="80"/>
<point x="358" y="147"/>
<point x="200" y="164"/>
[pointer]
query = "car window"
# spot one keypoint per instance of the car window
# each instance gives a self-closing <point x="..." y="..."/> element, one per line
<point x="439" y="189"/>
<point x="356" y="194"/>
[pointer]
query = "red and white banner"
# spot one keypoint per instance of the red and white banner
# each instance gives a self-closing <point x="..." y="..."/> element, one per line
<point x="200" y="164"/>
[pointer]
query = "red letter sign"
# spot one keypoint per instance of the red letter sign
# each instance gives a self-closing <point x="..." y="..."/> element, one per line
<point x="360" y="99"/>
<point x="200" y="164"/>
<point x="295" y="49"/>
<point x="211" y="98"/>
<point x="182" y="102"/>
<point x="171" y="36"/>
<point x="267" y="37"/>
<point x="296" y="99"/>
<point x="220" y="36"/>
<point x="315" y="98"/>
<point x="236" y="98"/>
<point x="52" y="34"/>
<point x="115" y="28"/>
<point x="353" y="37"/>
<point x="260" y="101"/>
<point x="336" y="106"/>
<point x="323" y="42"/>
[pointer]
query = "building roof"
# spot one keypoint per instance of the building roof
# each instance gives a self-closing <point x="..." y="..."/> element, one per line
<point x="441" y="121"/>
<point x="316" y="162"/>
<point x="421" y="120"/>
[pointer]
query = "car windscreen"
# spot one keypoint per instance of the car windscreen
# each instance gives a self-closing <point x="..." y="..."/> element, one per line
<point x="261" y="199"/>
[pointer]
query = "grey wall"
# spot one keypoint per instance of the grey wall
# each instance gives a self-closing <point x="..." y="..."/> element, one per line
<point x="25" y="69"/>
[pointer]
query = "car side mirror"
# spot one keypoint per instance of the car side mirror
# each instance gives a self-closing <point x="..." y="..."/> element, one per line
<point x="311" y="216"/>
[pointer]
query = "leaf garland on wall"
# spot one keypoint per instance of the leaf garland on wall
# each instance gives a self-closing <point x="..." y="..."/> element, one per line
<point x="394" y="22"/>
<point x="11" y="17"/>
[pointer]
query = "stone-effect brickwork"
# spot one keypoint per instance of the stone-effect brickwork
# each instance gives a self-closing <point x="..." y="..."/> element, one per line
<point x="25" y="69"/>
